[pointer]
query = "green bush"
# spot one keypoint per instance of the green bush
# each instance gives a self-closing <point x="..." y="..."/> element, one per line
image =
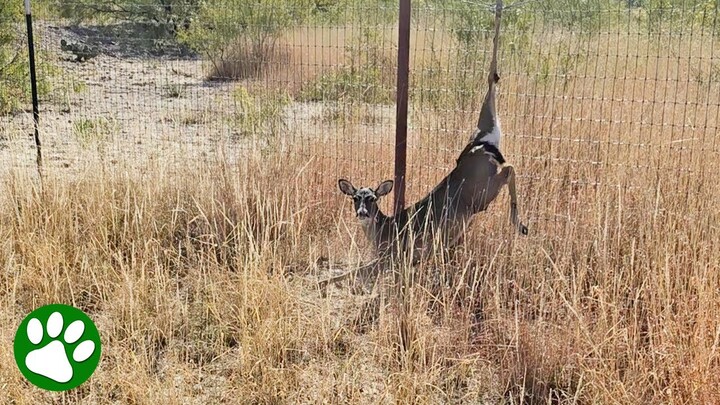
<point x="239" y="37"/>
<point x="259" y="113"/>
<point x="14" y="66"/>
<point x="354" y="11"/>
<point x="94" y="131"/>
<point x="169" y="15"/>
<point x="368" y="77"/>
<point x="587" y="16"/>
<point x="679" y="15"/>
<point x="350" y="85"/>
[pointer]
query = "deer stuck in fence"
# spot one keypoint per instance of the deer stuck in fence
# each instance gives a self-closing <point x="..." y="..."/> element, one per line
<point x="443" y="215"/>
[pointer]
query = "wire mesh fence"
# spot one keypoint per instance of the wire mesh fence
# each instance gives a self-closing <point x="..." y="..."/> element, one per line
<point x="593" y="93"/>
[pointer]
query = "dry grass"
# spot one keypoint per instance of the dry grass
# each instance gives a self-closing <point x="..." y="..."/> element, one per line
<point x="202" y="289"/>
<point x="201" y="279"/>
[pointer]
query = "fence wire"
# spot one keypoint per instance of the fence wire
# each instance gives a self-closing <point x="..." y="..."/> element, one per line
<point x="591" y="91"/>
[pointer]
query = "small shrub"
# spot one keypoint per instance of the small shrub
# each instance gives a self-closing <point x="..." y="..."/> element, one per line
<point x="259" y="113"/>
<point x="369" y="76"/>
<point x="173" y="90"/>
<point x="239" y="39"/>
<point x="78" y="86"/>
<point x="242" y="59"/>
<point x="348" y="84"/>
<point x="94" y="131"/>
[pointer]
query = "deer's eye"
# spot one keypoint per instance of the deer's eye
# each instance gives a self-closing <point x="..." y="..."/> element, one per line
<point x="372" y="199"/>
<point x="356" y="198"/>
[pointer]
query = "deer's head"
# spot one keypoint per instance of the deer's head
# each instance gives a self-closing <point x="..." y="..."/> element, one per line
<point x="365" y="198"/>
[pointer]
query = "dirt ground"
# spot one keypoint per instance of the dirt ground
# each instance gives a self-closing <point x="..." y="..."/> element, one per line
<point x="131" y="105"/>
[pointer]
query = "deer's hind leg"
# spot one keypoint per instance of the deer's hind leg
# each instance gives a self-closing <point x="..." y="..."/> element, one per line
<point x="507" y="176"/>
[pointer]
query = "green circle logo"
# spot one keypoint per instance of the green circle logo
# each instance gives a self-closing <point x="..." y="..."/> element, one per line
<point x="57" y="347"/>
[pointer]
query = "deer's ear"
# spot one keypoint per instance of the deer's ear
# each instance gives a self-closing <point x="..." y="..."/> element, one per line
<point x="384" y="188"/>
<point x="346" y="187"/>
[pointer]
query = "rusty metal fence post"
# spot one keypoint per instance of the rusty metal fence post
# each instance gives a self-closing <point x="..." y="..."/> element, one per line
<point x="403" y="70"/>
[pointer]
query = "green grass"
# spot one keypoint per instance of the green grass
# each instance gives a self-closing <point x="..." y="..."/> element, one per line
<point x="94" y="131"/>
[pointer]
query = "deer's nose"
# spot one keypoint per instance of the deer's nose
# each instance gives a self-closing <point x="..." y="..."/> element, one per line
<point x="362" y="212"/>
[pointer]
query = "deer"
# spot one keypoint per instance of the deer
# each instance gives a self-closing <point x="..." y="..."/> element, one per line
<point x="480" y="173"/>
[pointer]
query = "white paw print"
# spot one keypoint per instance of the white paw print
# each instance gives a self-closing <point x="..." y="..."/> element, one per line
<point x="51" y="360"/>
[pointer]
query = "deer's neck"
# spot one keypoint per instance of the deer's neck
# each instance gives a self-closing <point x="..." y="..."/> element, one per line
<point x="377" y="229"/>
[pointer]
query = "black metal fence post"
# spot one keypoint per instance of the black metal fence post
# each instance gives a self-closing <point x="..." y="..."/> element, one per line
<point x="33" y="80"/>
<point x="403" y="70"/>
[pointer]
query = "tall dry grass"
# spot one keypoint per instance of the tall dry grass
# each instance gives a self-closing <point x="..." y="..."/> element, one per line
<point x="201" y="279"/>
<point x="202" y="287"/>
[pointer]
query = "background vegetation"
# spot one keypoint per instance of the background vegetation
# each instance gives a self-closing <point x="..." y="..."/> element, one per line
<point x="14" y="77"/>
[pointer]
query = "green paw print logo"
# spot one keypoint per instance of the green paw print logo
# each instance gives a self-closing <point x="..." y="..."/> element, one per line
<point x="57" y="347"/>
